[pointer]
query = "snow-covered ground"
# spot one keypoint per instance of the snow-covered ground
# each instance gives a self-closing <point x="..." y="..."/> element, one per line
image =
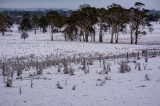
<point x="40" y="44"/>
<point x="122" y="89"/>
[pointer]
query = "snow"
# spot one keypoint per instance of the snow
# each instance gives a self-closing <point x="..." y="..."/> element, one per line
<point x="40" y="44"/>
<point x="123" y="89"/>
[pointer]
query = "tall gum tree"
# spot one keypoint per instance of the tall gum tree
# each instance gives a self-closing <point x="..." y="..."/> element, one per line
<point x="5" y="23"/>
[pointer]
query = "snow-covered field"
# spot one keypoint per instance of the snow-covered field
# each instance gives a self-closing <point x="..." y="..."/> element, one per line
<point x="40" y="44"/>
<point x="123" y="89"/>
<point x="91" y="89"/>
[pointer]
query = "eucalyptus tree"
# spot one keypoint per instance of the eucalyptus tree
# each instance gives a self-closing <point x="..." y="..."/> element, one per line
<point x="55" y="21"/>
<point x="131" y="24"/>
<point x="116" y="20"/>
<point x="102" y="19"/>
<point x="70" y="27"/>
<point x="139" y="18"/>
<point x="43" y="23"/>
<point x="35" y="23"/>
<point x="88" y="18"/>
<point x="78" y="23"/>
<point x="121" y="23"/>
<point x="5" y="23"/>
<point x="25" y="23"/>
<point x="78" y="18"/>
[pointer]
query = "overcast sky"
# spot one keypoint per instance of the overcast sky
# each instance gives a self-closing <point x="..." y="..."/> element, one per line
<point x="74" y="4"/>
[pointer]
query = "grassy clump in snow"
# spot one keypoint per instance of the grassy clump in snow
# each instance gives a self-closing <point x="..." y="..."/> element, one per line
<point x="124" y="67"/>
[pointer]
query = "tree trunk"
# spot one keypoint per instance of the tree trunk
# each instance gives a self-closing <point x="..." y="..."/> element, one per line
<point x="86" y="36"/>
<point x="51" y="33"/>
<point x="83" y="37"/>
<point x="117" y="38"/>
<point x="131" y="38"/>
<point x="94" y="35"/>
<point x="2" y="33"/>
<point x="35" y="31"/>
<point x="43" y="29"/>
<point x="71" y="37"/>
<point x="112" y="37"/>
<point x="109" y="30"/>
<point x="112" y="34"/>
<point x="81" y="34"/>
<point x="100" y="34"/>
<point x="136" y="32"/>
<point x="51" y="30"/>
<point x="65" y="37"/>
<point x="117" y="35"/>
<point x="136" y="37"/>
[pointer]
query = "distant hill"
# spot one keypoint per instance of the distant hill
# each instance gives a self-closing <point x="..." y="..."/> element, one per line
<point x="32" y="9"/>
<point x="63" y="11"/>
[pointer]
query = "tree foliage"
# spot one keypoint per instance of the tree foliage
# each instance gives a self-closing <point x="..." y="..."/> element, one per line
<point x="43" y="23"/>
<point x="25" y="23"/>
<point x="5" y="23"/>
<point x="55" y="20"/>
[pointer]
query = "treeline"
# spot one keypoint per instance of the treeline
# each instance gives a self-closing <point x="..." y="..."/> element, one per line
<point x="82" y="23"/>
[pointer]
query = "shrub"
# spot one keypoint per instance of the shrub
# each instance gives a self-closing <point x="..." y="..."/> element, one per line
<point x="24" y="35"/>
<point x="59" y="85"/>
<point x="9" y="82"/>
<point x="147" y="78"/>
<point x="124" y="67"/>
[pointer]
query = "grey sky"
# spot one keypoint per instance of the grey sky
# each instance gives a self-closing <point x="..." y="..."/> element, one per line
<point x="74" y="4"/>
